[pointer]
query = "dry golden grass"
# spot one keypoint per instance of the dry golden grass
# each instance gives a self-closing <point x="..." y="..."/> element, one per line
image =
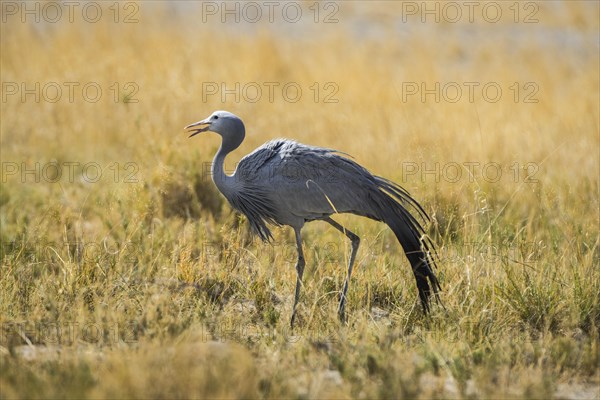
<point x="154" y="288"/>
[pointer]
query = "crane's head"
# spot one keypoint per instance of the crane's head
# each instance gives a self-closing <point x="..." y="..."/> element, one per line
<point x="226" y="124"/>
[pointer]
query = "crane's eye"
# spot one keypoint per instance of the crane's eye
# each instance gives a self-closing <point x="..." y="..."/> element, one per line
<point x="216" y="117"/>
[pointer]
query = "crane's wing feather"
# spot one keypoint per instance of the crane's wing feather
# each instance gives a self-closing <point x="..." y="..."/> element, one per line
<point x="313" y="182"/>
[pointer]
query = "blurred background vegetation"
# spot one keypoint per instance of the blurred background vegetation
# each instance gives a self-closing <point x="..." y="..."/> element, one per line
<point x="125" y="274"/>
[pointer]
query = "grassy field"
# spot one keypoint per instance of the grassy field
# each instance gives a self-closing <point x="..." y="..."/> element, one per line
<point x="124" y="273"/>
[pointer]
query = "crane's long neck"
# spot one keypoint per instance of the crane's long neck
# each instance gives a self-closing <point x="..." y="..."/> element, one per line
<point x="225" y="183"/>
<point x="220" y="178"/>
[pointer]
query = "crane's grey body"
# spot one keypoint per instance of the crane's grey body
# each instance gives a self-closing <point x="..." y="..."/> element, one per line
<point x="301" y="183"/>
<point x="287" y="183"/>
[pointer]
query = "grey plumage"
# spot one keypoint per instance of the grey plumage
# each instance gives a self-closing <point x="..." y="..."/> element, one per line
<point x="287" y="183"/>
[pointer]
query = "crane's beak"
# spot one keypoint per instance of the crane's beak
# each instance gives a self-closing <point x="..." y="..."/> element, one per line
<point x="193" y="127"/>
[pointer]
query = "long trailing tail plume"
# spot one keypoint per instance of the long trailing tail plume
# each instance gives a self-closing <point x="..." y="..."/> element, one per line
<point x="410" y="233"/>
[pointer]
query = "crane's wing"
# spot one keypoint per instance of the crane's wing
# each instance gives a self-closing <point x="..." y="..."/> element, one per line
<point x="313" y="182"/>
<point x="272" y="154"/>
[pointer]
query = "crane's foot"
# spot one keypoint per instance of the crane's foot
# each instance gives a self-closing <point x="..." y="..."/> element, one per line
<point x="292" y="320"/>
<point x="297" y="320"/>
<point x="342" y="312"/>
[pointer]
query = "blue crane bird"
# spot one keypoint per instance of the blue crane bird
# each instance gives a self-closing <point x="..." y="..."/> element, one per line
<point x="287" y="183"/>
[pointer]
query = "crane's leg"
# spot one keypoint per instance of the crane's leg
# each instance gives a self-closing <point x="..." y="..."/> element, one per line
<point x="300" y="271"/>
<point x="355" y="243"/>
